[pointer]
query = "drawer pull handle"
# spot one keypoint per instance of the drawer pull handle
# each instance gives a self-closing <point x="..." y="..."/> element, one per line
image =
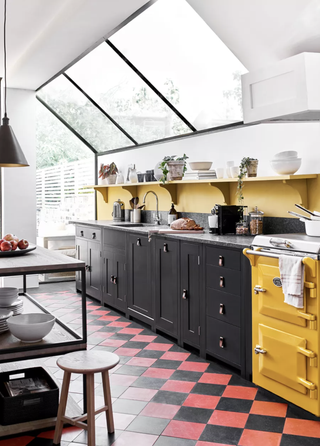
<point x="93" y="235"/>
<point x="221" y="309"/>
<point x="81" y="233"/>
<point x="258" y="350"/>
<point x="221" y="342"/>
<point x="88" y="268"/>
<point x="257" y="289"/>
<point x="221" y="282"/>
<point x="165" y="247"/>
<point x="184" y="294"/>
<point x="115" y="280"/>
<point x="221" y="261"/>
<point x="138" y="242"/>
<point x="112" y="279"/>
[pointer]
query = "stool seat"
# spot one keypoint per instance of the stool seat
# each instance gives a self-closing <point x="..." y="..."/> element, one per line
<point x="85" y="362"/>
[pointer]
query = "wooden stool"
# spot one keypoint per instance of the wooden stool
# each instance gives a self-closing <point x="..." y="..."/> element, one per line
<point x="86" y="363"/>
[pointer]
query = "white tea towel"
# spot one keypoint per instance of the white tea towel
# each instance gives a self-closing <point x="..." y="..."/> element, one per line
<point x="292" y="278"/>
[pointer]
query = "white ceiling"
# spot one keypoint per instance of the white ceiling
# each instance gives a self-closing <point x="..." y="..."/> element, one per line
<point x="44" y="36"/>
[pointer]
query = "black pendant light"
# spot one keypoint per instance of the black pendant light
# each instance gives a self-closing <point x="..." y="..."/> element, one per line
<point x="11" y="154"/>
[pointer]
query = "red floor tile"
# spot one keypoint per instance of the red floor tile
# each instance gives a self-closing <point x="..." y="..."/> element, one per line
<point x="127" y="351"/>
<point x="178" y="386"/>
<point x="47" y="434"/>
<point x="158" y="410"/>
<point x="135" y="393"/>
<point x="194" y="366"/>
<point x="158" y="373"/>
<point x="230" y="419"/>
<point x="108" y="318"/>
<point x="215" y="378"/>
<point x="113" y="343"/>
<point x="243" y="393"/>
<point x="158" y="347"/>
<point x="143" y="338"/>
<point x="175" y="356"/>
<point x="119" y="324"/>
<point x="98" y="312"/>
<point x="202" y="401"/>
<point x="269" y="409"/>
<point x="305" y="428"/>
<point x="141" y="362"/>
<point x="20" y="441"/>
<point x="122" y="380"/>
<point x="134" y="439"/>
<point x="183" y="429"/>
<point x="255" y="438"/>
<point x="133" y="331"/>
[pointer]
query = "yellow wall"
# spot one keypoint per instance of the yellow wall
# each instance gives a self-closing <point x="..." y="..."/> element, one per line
<point x="274" y="198"/>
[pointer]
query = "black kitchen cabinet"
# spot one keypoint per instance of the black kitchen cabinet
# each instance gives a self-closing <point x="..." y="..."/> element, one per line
<point x="190" y="293"/>
<point x="167" y="274"/>
<point x="88" y="249"/>
<point x="114" y="278"/>
<point x="140" y="293"/>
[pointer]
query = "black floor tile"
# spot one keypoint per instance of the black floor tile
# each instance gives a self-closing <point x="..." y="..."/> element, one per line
<point x="149" y="383"/>
<point x="208" y="389"/>
<point x="148" y="425"/>
<point x="165" y="397"/>
<point x="295" y="440"/>
<point x="183" y="375"/>
<point x="265" y="423"/>
<point x="177" y="349"/>
<point x="131" y="407"/>
<point x="150" y="354"/>
<point x="238" y="381"/>
<point x="166" y="364"/>
<point x="296" y="412"/>
<point x="193" y="414"/>
<point x="217" y="367"/>
<point x="38" y="442"/>
<point x="134" y="344"/>
<point x="121" y="337"/>
<point x="170" y="441"/>
<point x="195" y="358"/>
<point x="221" y="434"/>
<point x="130" y="370"/>
<point x="234" y="405"/>
<point x="265" y="395"/>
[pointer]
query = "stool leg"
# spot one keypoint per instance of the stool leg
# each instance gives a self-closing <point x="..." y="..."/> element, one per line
<point x="91" y="410"/>
<point x="62" y="407"/>
<point x="107" y="401"/>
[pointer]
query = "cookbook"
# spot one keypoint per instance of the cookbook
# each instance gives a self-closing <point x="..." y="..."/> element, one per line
<point x="26" y="386"/>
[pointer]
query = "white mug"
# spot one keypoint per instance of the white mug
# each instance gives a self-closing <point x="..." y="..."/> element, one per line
<point x="234" y="171"/>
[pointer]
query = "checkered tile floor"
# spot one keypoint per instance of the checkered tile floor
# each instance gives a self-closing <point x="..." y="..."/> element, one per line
<point x="166" y="396"/>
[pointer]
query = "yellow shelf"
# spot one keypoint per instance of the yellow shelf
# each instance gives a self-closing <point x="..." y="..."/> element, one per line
<point x="222" y="184"/>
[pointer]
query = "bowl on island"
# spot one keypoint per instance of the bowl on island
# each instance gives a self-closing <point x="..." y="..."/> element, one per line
<point x="200" y="165"/>
<point x="31" y="327"/>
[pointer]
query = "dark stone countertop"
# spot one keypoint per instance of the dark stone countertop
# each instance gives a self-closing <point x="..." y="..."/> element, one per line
<point x="230" y="240"/>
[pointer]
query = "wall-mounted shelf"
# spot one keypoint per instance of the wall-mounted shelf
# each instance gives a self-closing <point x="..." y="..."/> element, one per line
<point x="222" y="184"/>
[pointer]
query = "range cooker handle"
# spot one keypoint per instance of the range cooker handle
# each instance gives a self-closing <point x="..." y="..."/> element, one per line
<point x="281" y="242"/>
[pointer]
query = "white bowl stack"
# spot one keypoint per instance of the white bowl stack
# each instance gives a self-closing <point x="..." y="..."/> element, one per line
<point x="286" y="163"/>
<point x="9" y="300"/>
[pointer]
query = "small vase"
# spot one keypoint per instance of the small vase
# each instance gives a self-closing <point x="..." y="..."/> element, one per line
<point x="111" y="179"/>
<point x="252" y="170"/>
<point x="175" y="170"/>
<point x="103" y="181"/>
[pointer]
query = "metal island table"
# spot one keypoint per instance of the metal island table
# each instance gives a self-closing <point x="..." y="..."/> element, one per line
<point x="62" y="339"/>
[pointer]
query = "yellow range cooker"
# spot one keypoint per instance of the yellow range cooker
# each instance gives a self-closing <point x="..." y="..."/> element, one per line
<point x="285" y="339"/>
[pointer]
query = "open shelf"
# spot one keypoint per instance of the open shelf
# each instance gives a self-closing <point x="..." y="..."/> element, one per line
<point x="222" y="184"/>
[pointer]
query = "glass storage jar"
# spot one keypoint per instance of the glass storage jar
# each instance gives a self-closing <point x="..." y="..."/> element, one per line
<point x="242" y="228"/>
<point x="256" y="221"/>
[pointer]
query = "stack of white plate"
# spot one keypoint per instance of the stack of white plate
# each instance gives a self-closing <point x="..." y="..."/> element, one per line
<point x="4" y="316"/>
<point x="16" y="307"/>
<point x="9" y="300"/>
<point x="286" y="163"/>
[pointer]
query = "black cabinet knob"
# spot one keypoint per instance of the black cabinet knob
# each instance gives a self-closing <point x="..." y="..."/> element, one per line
<point x="93" y="235"/>
<point x="221" y="282"/>
<point x="81" y="233"/>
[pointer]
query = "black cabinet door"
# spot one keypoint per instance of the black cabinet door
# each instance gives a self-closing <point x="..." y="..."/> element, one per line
<point x="167" y="285"/>
<point x="139" y="276"/>
<point x="93" y="278"/>
<point x="119" y="280"/>
<point x="107" y="273"/>
<point x="81" y="254"/>
<point x="190" y="293"/>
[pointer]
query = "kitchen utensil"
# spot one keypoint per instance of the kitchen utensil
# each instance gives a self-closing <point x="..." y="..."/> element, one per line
<point x="135" y="202"/>
<point x="285" y="155"/>
<point x="295" y="214"/>
<point x="131" y="203"/>
<point x="305" y="210"/>
<point x="287" y="166"/>
<point x="141" y="207"/>
<point x="200" y="165"/>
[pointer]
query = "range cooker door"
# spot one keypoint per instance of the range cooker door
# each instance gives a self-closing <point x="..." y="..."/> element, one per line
<point x="269" y="297"/>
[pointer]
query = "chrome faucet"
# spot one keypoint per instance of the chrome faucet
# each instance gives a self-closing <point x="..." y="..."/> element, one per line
<point x="157" y="218"/>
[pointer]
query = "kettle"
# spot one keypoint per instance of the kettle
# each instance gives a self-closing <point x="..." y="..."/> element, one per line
<point x="117" y="210"/>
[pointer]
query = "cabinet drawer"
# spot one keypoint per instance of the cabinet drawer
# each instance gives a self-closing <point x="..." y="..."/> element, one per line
<point x="224" y="307"/>
<point x="223" y="258"/>
<point x="114" y="238"/>
<point x="89" y="233"/>
<point x="223" y="340"/>
<point x="223" y="279"/>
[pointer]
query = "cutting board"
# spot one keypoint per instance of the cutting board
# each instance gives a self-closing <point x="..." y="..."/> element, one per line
<point x="176" y="231"/>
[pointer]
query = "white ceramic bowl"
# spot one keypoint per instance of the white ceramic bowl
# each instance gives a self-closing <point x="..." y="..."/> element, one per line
<point x="312" y="228"/>
<point x="5" y="291"/>
<point x="31" y="327"/>
<point x="286" y="155"/>
<point x="286" y="167"/>
<point x="200" y="165"/>
<point x="8" y="300"/>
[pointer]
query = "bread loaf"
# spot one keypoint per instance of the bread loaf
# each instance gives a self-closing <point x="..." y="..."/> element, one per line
<point x="184" y="224"/>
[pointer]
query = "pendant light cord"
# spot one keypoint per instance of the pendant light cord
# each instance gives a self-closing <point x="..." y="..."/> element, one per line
<point x="5" y="56"/>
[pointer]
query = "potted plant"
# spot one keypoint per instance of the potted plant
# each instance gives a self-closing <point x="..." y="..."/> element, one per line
<point x="108" y="173"/>
<point x="248" y="167"/>
<point x="173" y="168"/>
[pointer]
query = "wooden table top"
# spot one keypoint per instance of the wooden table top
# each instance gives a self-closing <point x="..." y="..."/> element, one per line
<point x="39" y="260"/>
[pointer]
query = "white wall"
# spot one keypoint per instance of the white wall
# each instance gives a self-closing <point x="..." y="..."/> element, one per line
<point x="260" y="141"/>
<point x="19" y="183"/>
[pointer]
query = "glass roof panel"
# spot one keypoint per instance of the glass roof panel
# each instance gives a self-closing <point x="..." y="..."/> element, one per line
<point x="117" y="89"/>
<point x="86" y="119"/>
<point x="183" y="58"/>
